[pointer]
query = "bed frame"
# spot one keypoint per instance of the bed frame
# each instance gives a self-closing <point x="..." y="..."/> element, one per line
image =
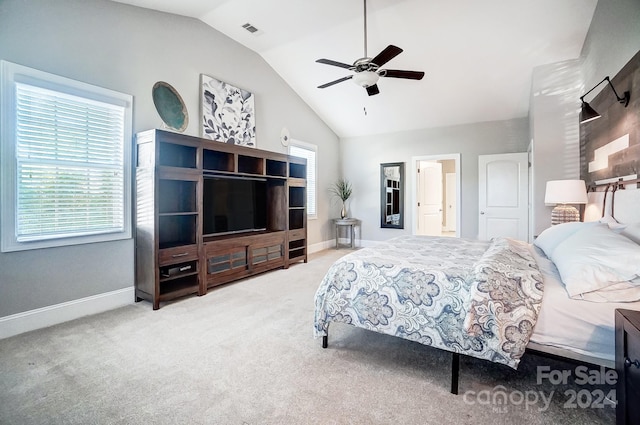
<point x="532" y="348"/>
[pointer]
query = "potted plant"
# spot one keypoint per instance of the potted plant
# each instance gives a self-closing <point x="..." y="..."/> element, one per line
<point x="342" y="189"/>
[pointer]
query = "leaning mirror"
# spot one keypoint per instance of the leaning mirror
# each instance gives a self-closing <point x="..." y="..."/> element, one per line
<point x="392" y="195"/>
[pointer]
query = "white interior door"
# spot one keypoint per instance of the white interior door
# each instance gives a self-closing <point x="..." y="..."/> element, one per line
<point x="503" y="196"/>
<point x="450" y="201"/>
<point x="430" y="198"/>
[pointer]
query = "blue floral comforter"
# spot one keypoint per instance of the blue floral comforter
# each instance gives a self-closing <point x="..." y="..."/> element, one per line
<point x="472" y="297"/>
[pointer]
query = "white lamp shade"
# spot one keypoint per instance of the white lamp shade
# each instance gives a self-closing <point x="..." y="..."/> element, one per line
<point x="565" y="192"/>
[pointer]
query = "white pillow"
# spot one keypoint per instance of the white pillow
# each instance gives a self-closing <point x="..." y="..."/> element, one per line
<point x="594" y="258"/>
<point x="632" y="231"/>
<point x="623" y="292"/>
<point x="549" y="239"/>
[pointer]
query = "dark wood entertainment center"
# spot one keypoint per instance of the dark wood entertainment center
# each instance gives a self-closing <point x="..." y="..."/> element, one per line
<point x="174" y="257"/>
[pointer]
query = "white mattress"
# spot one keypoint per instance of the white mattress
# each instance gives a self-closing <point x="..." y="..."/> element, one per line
<point x="582" y="327"/>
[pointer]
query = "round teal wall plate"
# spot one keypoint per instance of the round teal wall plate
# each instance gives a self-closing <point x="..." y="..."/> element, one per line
<point x="170" y="106"/>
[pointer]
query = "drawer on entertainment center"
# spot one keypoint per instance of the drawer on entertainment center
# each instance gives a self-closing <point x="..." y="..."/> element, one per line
<point x="178" y="254"/>
<point x="297" y="234"/>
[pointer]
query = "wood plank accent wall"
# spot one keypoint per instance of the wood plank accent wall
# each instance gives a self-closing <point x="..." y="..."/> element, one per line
<point x="615" y="122"/>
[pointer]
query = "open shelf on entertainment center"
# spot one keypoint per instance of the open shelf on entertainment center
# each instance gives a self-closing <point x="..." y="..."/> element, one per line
<point x="217" y="161"/>
<point x="250" y="165"/>
<point x="208" y="213"/>
<point x="179" y="156"/>
<point x="276" y="168"/>
<point x="173" y="287"/>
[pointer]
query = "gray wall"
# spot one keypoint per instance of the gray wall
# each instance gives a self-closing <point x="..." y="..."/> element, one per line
<point x="555" y="153"/>
<point x="128" y="49"/>
<point x="362" y="156"/>
<point x="613" y="38"/>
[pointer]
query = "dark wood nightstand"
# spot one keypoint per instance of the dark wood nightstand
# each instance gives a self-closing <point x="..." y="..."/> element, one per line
<point x="628" y="366"/>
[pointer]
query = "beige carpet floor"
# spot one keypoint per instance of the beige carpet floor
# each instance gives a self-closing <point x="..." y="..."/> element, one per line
<point x="244" y="354"/>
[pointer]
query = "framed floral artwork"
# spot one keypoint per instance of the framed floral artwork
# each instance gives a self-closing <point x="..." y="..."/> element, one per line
<point x="228" y="113"/>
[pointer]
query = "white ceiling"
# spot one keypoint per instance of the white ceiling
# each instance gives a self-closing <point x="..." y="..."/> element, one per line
<point x="478" y="55"/>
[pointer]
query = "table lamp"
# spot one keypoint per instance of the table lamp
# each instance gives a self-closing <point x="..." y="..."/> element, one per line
<point x="562" y="194"/>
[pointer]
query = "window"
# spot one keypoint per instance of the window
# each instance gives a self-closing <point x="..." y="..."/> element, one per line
<point x="309" y="152"/>
<point x="66" y="160"/>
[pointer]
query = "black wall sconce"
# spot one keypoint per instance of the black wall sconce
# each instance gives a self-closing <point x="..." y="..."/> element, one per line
<point x="587" y="113"/>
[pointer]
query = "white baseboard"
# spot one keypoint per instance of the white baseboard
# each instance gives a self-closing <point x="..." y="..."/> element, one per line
<point x="63" y="312"/>
<point x="344" y="242"/>
<point x="320" y="246"/>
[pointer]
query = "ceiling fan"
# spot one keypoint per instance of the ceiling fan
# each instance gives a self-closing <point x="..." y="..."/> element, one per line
<point x="367" y="71"/>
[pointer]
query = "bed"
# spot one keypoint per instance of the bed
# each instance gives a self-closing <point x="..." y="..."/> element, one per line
<point x="496" y="299"/>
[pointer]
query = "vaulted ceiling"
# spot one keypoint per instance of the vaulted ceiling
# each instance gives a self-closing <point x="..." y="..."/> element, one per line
<point x="478" y="56"/>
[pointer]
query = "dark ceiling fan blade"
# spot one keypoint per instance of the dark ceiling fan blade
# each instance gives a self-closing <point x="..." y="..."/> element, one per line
<point x="386" y="55"/>
<point x="371" y="90"/>
<point x="335" y="82"/>
<point x="397" y="73"/>
<point x="334" y="63"/>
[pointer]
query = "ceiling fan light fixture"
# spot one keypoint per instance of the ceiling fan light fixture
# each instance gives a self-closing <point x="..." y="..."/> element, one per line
<point x="366" y="78"/>
<point x="368" y="70"/>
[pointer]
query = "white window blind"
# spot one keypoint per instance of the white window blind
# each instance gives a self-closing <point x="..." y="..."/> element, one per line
<point x="66" y="161"/>
<point x="307" y="151"/>
<point x="70" y="160"/>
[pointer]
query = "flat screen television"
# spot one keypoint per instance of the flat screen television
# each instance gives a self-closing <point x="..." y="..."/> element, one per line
<point x="233" y="205"/>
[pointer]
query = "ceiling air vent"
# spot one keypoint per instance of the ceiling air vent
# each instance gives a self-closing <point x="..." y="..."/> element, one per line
<point x="250" y="28"/>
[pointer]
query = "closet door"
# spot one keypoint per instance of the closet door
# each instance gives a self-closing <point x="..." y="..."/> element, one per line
<point x="503" y="196"/>
<point x="430" y="198"/>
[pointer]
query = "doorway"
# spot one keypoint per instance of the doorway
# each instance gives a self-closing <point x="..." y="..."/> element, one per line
<point x="435" y="197"/>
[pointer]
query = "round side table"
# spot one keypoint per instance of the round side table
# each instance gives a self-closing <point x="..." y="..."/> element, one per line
<point x="350" y="223"/>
